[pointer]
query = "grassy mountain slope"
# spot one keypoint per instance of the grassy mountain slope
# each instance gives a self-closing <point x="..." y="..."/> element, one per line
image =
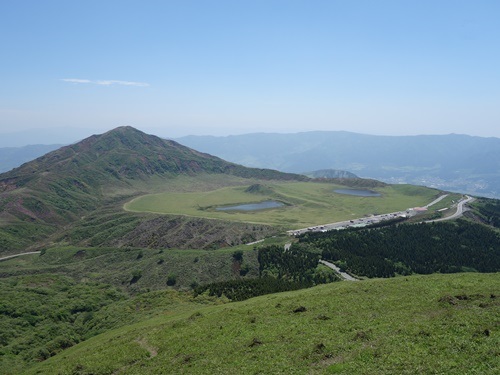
<point x="418" y="324"/>
<point x="134" y="270"/>
<point x="126" y="229"/>
<point x="57" y="189"/>
<point x="119" y="157"/>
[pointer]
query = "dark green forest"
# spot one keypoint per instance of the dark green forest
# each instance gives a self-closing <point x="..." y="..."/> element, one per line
<point x="405" y="249"/>
<point x="239" y="290"/>
<point x="295" y="264"/>
<point x="489" y="210"/>
<point x="280" y="270"/>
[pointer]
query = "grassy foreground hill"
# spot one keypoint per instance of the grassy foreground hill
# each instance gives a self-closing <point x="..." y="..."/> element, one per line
<point x="418" y="324"/>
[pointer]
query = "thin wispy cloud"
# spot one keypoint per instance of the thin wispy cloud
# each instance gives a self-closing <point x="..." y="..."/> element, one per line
<point x="75" y="80"/>
<point x="104" y="82"/>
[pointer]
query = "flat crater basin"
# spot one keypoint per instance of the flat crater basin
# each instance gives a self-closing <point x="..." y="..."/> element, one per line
<point x="252" y="206"/>
<point x="358" y="192"/>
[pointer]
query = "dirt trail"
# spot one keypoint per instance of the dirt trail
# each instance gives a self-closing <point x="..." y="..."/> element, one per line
<point x="18" y="255"/>
<point x="145" y="345"/>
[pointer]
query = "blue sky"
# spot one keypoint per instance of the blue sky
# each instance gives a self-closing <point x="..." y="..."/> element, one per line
<point x="175" y="68"/>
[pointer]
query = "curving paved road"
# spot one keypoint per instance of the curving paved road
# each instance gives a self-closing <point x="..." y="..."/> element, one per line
<point x="360" y="221"/>
<point x="460" y="210"/>
<point x="344" y="275"/>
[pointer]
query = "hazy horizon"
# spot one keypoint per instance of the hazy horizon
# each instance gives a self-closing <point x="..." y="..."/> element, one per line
<point x="225" y="67"/>
<point x="64" y="136"/>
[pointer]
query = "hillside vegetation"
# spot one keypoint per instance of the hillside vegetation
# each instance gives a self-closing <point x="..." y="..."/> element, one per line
<point x="125" y="229"/>
<point x="52" y="301"/>
<point x="419" y="324"/>
<point x="55" y="300"/>
<point x="488" y="211"/>
<point x="136" y="270"/>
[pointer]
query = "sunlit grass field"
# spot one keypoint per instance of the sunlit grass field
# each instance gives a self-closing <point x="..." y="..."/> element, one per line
<point x="306" y="203"/>
<point x="436" y="324"/>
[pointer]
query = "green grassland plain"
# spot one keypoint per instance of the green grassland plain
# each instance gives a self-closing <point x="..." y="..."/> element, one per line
<point x="305" y="203"/>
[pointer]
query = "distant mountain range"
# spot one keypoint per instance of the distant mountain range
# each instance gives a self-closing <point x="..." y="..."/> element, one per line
<point x="12" y="157"/>
<point x="51" y="135"/>
<point x="452" y="162"/>
<point x="330" y="173"/>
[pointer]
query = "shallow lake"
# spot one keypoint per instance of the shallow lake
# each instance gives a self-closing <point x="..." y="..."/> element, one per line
<point x="358" y="192"/>
<point x="252" y="206"/>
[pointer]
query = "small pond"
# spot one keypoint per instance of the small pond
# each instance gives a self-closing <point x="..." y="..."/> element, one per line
<point x="358" y="192"/>
<point x="252" y="206"/>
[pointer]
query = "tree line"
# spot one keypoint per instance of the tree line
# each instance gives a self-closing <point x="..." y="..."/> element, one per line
<point x="242" y="289"/>
<point x="279" y="270"/>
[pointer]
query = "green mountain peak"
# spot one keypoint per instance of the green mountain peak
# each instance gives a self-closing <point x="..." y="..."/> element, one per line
<point x="68" y="183"/>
